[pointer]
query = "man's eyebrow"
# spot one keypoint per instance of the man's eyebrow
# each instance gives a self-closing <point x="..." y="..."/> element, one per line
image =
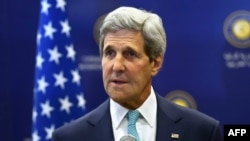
<point x="107" y="48"/>
<point x="129" y="48"/>
<point x="126" y="48"/>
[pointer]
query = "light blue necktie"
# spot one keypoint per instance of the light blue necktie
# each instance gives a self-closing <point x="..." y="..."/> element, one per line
<point x="133" y="115"/>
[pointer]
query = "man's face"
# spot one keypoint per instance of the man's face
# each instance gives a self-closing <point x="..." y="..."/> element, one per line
<point x="127" y="71"/>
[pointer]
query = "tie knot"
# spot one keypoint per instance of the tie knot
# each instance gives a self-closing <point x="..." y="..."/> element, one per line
<point x="133" y="115"/>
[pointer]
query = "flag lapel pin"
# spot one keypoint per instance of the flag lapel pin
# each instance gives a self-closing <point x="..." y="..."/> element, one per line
<point x="174" y="136"/>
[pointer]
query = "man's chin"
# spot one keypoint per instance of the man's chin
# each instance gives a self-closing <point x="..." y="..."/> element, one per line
<point x="118" y="97"/>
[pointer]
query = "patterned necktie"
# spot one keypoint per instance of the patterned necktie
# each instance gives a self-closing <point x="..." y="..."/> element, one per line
<point x="133" y="115"/>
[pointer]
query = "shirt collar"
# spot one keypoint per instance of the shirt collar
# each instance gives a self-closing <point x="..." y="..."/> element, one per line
<point x="147" y="109"/>
<point x="117" y="113"/>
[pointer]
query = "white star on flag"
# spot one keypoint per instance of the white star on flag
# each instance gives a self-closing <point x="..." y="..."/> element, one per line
<point x="46" y="109"/>
<point x="76" y="77"/>
<point x="34" y="115"/>
<point x="65" y="27"/>
<point x="81" y="101"/>
<point x="35" y="136"/>
<point x="58" y="92"/>
<point x="54" y="55"/>
<point x="42" y="84"/>
<point x="61" y="4"/>
<point x="71" y="52"/>
<point x="49" y="131"/>
<point x="49" y="30"/>
<point x="39" y="61"/>
<point x="65" y="104"/>
<point x="45" y="7"/>
<point x="38" y="38"/>
<point x="60" y="80"/>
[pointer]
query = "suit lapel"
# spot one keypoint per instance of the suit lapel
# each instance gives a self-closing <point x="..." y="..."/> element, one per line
<point x="167" y="121"/>
<point x="101" y="120"/>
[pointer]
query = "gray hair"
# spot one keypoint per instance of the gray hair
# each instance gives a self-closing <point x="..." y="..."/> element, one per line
<point x="149" y="24"/>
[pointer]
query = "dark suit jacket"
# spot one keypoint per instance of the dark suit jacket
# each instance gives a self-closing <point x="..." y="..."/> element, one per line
<point x="191" y="125"/>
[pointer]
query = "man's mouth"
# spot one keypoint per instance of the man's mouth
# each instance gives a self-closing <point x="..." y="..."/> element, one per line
<point x="116" y="81"/>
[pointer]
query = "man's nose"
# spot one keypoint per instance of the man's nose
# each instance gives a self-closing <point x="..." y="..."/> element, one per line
<point x="119" y="63"/>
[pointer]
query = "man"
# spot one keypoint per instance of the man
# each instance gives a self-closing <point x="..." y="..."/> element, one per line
<point x="132" y="47"/>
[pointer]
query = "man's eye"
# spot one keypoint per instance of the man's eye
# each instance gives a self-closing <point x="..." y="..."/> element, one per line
<point x="109" y="53"/>
<point x="131" y="54"/>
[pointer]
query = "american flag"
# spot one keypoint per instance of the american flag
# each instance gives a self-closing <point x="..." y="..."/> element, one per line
<point x="58" y="93"/>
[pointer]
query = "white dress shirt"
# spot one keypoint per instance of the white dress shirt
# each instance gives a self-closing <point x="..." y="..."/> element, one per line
<point x="145" y="125"/>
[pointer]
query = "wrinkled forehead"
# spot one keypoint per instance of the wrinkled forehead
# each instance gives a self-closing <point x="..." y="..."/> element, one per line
<point x="123" y="38"/>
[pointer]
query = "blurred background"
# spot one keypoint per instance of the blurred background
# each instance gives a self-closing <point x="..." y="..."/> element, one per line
<point x="207" y="62"/>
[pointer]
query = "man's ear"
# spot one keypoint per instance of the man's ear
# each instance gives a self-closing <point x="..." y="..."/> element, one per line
<point x="157" y="64"/>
